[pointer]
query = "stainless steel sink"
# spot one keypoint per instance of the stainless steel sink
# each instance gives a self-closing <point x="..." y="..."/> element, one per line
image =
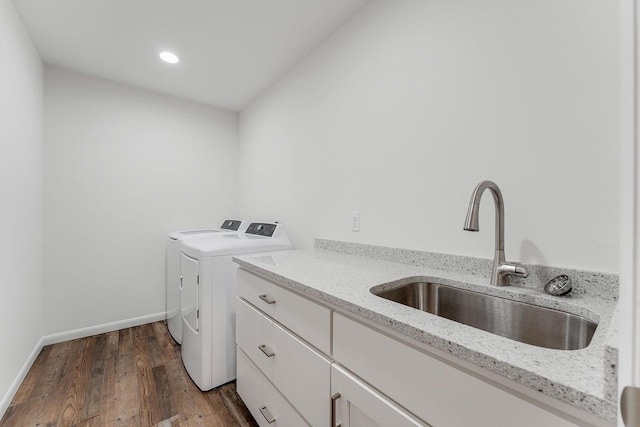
<point x="531" y="324"/>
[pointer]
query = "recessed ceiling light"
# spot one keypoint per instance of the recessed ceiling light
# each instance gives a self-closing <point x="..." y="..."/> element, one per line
<point x="169" y="57"/>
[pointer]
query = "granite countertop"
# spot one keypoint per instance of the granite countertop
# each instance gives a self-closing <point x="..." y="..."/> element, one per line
<point x="341" y="275"/>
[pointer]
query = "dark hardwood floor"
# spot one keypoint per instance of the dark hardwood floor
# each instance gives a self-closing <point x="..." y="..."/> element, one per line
<point x="131" y="377"/>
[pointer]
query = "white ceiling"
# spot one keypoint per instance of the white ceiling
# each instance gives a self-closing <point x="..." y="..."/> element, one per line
<point x="230" y="50"/>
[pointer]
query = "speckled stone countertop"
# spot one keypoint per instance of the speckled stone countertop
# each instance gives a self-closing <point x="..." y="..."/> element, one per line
<point x="343" y="274"/>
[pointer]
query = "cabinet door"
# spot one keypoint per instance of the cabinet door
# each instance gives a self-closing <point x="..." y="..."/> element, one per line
<point x="358" y="405"/>
<point x="190" y="294"/>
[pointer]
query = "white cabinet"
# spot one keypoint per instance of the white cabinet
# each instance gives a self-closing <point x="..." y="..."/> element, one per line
<point x="295" y="354"/>
<point x="266" y="318"/>
<point x="298" y="371"/>
<point x="356" y="404"/>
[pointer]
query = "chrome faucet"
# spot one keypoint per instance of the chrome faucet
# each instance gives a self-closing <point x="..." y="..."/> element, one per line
<point x="501" y="268"/>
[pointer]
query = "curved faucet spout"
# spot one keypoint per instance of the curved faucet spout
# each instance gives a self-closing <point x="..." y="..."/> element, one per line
<point x="501" y="268"/>
<point x="472" y="222"/>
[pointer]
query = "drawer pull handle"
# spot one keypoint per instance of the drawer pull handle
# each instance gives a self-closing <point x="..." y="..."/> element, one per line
<point x="267" y="414"/>
<point x="334" y="399"/>
<point x="267" y="299"/>
<point x="266" y="350"/>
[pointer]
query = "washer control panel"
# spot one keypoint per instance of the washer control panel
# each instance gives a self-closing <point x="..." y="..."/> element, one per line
<point x="231" y="224"/>
<point x="261" y="229"/>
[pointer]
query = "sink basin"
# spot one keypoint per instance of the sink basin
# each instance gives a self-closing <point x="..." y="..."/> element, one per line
<point x="527" y="323"/>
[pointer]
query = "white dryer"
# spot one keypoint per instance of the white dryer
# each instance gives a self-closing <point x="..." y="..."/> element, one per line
<point x="172" y="273"/>
<point x="208" y="299"/>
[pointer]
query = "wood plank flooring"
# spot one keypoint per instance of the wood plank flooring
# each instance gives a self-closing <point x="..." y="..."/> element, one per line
<point x="131" y="377"/>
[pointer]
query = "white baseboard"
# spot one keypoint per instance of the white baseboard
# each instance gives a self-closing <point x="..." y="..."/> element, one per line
<point x="101" y="329"/>
<point x="13" y="389"/>
<point x="66" y="336"/>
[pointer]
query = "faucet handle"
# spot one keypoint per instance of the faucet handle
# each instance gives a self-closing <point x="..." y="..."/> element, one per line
<point x="521" y="271"/>
<point x="512" y="270"/>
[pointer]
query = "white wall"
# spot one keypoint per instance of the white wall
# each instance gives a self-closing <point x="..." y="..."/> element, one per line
<point x="123" y="167"/>
<point x="21" y="200"/>
<point x="412" y="103"/>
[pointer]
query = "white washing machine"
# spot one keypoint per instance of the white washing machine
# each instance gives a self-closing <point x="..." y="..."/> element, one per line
<point x="172" y="274"/>
<point x="208" y="299"/>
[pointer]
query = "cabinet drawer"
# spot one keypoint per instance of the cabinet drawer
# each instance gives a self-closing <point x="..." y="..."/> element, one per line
<point x="262" y="399"/>
<point x="300" y="315"/>
<point x="428" y="387"/>
<point x="299" y="372"/>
